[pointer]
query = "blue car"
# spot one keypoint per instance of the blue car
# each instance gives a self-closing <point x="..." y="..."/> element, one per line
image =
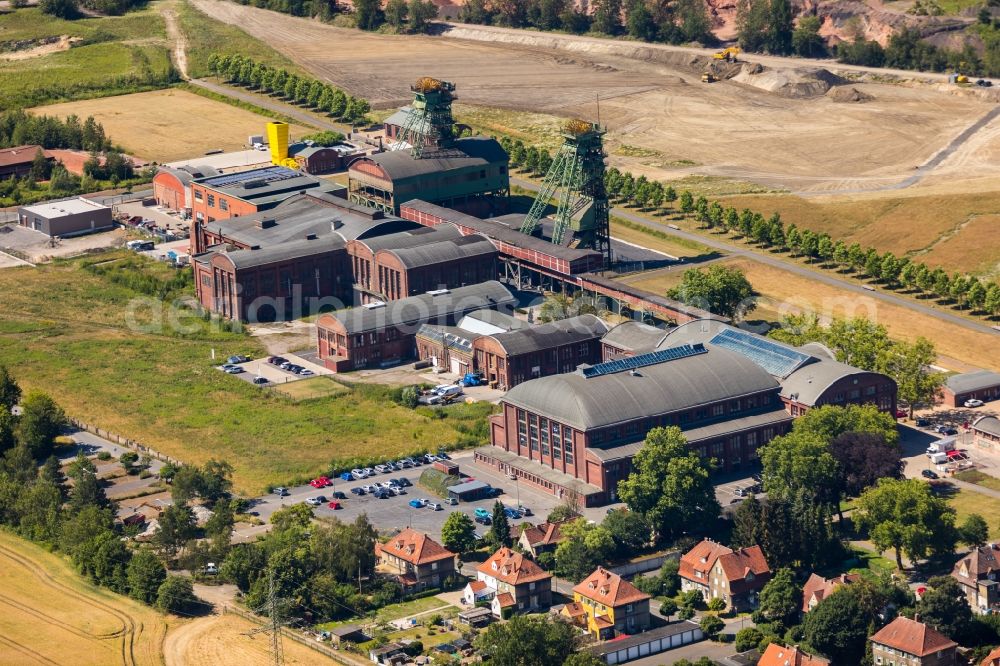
<point x="416" y="504"/>
<point x="512" y="513"/>
<point x="346" y="476"/>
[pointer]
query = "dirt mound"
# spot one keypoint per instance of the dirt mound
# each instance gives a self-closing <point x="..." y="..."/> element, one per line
<point x="799" y="83"/>
<point x="845" y="94"/>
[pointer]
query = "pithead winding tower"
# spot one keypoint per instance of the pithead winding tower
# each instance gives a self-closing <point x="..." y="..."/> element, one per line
<point x="430" y="128"/>
<point x="576" y="180"/>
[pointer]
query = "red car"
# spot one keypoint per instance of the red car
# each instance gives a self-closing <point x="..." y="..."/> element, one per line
<point x="901" y="413"/>
<point x="335" y="505"/>
<point x="321" y="482"/>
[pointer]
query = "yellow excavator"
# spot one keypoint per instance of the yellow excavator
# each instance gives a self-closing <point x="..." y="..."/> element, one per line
<point x="728" y="54"/>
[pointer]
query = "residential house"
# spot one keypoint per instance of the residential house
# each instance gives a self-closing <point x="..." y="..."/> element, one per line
<point x="543" y="538"/>
<point x="416" y="560"/>
<point x="992" y="659"/>
<point x="476" y="592"/>
<point x="719" y="572"/>
<point x="779" y="655"/>
<point x="611" y="605"/>
<point x="518" y="583"/>
<point x="906" y="642"/>
<point x="818" y="588"/>
<point x="979" y="575"/>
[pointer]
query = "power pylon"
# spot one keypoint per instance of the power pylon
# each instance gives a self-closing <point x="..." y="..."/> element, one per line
<point x="273" y="627"/>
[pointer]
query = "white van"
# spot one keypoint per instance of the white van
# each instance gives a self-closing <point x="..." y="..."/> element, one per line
<point x="942" y="446"/>
<point x="938" y="458"/>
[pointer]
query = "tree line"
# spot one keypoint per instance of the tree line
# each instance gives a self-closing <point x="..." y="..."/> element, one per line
<point x="71" y="513"/>
<point x="411" y="16"/>
<point x="18" y="128"/>
<point x="907" y="50"/>
<point x="962" y="291"/>
<point x="669" y="23"/>
<point x="70" y="9"/>
<point x="300" y="90"/>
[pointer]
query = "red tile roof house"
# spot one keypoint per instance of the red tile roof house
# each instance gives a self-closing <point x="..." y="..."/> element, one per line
<point x="992" y="659"/>
<point x="520" y="584"/>
<point x="416" y="560"/>
<point x="719" y="572"/>
<point x="818" y="588"/>
<point x="979" y="575"/>
<point x="779" y="655"/>
<point x="612" y="605"/>
<point x="538" y="539"/>
<point x="906" y="642"/>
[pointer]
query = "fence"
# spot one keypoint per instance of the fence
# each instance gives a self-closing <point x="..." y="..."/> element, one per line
<point x="123" y="441"/>
<point x="336" y="655"/>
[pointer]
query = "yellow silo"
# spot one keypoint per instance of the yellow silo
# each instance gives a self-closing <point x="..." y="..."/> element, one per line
<point x="277" y="140"/>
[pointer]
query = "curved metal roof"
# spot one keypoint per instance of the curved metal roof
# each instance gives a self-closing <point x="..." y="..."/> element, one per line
<point x="553" y="334"/>
<point x="454" y="249"/>
<point x="603" y="400"/>
<point x="634" y="336"/>
<point x="242" y="259"/>
<point x="987" y="424"/>
<point x="808" y="382"/>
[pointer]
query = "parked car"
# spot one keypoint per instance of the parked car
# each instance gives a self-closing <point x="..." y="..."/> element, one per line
<point x="339" y="495"/>
<point x="525" y="511"/>
<point x="371" y="488"/>
<point x="232" y="369"/>
<point x="281" y="491"/>
<point x="369" y="471"/>
<point x="314" y="501"/>
<point x="381" y="469"/>
<point x="922" y="422"/>
<point x="901" y="413"/>
<point x="482" y="513"/>
<point x="237" y="359"/>
<point x="451" y="501"/>
<point x="417" y="503"/>
<point x="404" y="482"/>
<point x="305" y="372"/>
<point x="285" y="364"/>
<point x="513" y="514"/>
<point x="335" y="505"/>
<point x="494" y="492"/>
<point x="483" y="520"/>
<point x="277" y="360"/>
<point x="739" y="491"/>
<point x="260" y="381"/>
<point x="382" y="494"/>
<point x="949" y="431"/>
<point x="357" y="491"/>
<point x="929" y="474"/>
<point x="974" y="402"/>
<point x="320" y="482"/>
<point x="434" y="506"/>
<point x="443" y="455"/>
<point x="358" y="474"/>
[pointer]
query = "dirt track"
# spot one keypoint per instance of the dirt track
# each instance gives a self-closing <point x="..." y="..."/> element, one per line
<point x="724" y="129"/>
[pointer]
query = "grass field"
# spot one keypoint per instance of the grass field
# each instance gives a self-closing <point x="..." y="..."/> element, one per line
<point x="52" y="616"/>
<point x="969" y="501"/>
<point x="672" y="245"/>
<point x="171" y="124"/>
<point x="315" y="387"/>
<point x="206" y="36"/>
<point x="117" y="54"/>
<point x="783" y="292"/>
<point x="158" y="386"/>
<point x="979" y="478"/>
<point x="958" y="232"/>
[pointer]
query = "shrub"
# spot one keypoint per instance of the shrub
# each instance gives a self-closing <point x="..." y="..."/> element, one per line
<point x="104" y="455"/>
<point x="716" y="604"/>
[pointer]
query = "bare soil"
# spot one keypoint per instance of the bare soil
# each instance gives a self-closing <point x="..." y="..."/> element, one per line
<point x="652" y="97"/>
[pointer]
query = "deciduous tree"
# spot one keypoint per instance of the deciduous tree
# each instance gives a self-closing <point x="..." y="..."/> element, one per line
<point x="458" y="534"/>
<point x="719" y="289"/>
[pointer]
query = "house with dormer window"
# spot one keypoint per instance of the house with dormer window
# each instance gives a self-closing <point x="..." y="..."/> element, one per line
<point x="719" y="572"/>
<point x="608" y="606"/>
<point x="415" y="560"/>
<point x="978" y="573"/>
<point x="517" y="583"/>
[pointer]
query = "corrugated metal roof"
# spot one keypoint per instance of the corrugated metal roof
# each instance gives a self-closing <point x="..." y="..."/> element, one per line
<point x="417" y="236"/>
<point x="806" y="384"/>
<point x="972" y="381"/>
<point x="987" y="424"/>
<point x="553" y="334"/>
<point x="470" y="151"/>
<point x="242" y="259"/>
<point x="657" y="389"/>
<point x="488" y="322"/>
<point x="463" y="247"/>
<point x="416" y="310"/>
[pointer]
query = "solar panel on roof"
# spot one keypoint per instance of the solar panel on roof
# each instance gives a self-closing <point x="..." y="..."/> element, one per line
<point x="776" y="359"/>
<point x="269" y="174"/>
<point x="643" y="360"/>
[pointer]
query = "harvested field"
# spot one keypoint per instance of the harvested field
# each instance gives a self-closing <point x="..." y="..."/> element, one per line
<point x="50" y="615"/>
<point x="651" y="96"/>
<point x="951" y="230"/>
<point x="314" y="387"/>
<point x="168" y="125"/>
<point x="783" y="292"/>
<point x="221" y="640"/>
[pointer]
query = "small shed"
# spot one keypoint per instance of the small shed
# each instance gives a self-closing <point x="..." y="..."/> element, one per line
<point x="390" y="653"/>
<point x="446" y="466"/>
<point x="470" y="491"/>
<point x="350" y="633"/>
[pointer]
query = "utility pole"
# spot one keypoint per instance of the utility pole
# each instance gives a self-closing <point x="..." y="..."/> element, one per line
<point x="273" y="627"/>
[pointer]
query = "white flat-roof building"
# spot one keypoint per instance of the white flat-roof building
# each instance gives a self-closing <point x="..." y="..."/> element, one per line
<point x="66" y="217"/>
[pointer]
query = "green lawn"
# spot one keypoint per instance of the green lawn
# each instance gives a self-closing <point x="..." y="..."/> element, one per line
<point x="110" y="356"/>
<point x="407" y="608"/>
<point x="116" y="55"/>
<point x="206" y="36"/>
<point x="870" y="561"/>
<point x="969" y="501"/>
<point x="308" y="389"/>
<point x="980" y="479"/>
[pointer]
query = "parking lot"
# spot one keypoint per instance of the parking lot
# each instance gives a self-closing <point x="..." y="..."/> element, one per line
<point x="395" y="513"/>
<point x="260" y="367"/>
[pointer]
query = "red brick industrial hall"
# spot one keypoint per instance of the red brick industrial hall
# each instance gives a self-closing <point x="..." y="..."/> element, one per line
<point x="730" y="391"/>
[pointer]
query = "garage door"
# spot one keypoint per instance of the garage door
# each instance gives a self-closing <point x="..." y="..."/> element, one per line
<point x="456" y="367"/>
